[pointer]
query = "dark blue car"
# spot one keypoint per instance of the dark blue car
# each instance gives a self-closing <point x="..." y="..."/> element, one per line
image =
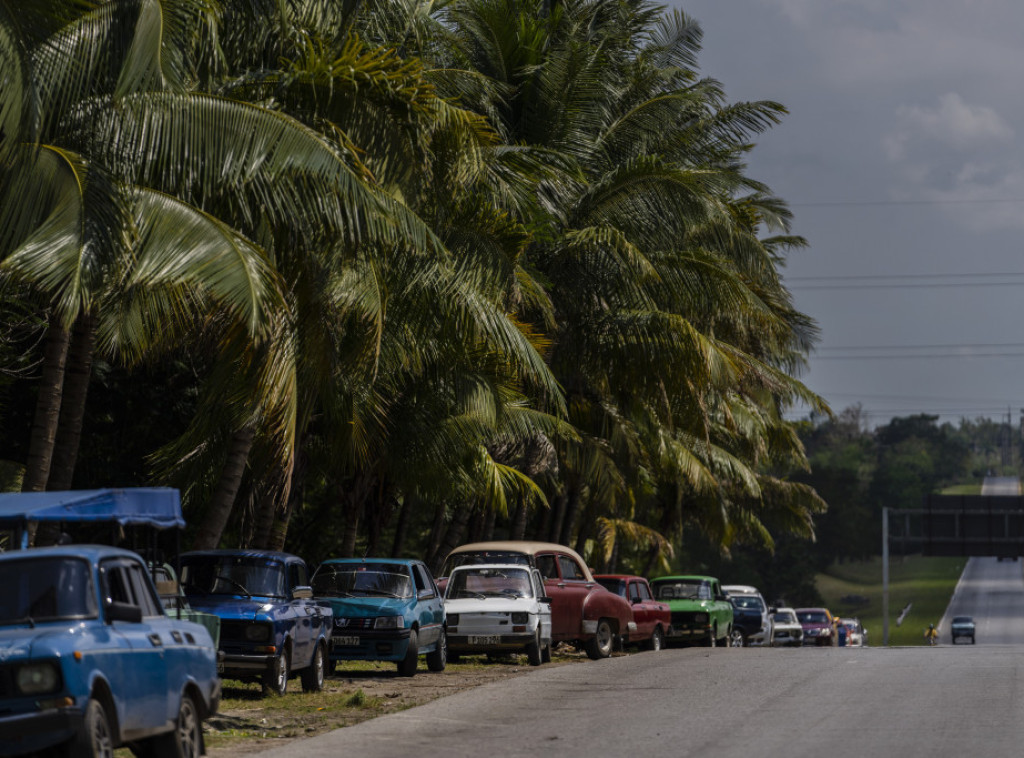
<point x="271" y="627"/>
<point x="89" y="661"/>
<point x="385" y="609"/>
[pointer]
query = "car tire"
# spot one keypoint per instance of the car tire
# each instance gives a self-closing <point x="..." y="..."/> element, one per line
<point x="601" y="644"/>
<point x="313" y="675"/>
<point x="407" y="666"/>
<point x="712" y="639"/>
<point x="96" y="740"/>
<point x="737" y="638"/>
<point x="657" y="641"/>
<point x="186" y="741"/>
<point x="275" y="679"/>
<point x="438" y="657"/>
<point x="534" y="653"/>
<point x="972" y="640"/>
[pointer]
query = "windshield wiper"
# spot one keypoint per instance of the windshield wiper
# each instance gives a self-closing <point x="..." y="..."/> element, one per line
<point x="385" y="593"/>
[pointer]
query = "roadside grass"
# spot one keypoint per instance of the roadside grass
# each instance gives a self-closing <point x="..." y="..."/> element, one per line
<point x="855" y="589"/>
<point x="962" y="489"/>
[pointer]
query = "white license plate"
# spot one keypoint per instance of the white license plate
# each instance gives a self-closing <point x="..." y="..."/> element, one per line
<point x="493" y="639"/>
<point x="348" y="641"/>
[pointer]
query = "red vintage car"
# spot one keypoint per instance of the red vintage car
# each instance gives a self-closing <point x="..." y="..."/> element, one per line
<point x="651" y="617"/>
<point x="582" y="611"/>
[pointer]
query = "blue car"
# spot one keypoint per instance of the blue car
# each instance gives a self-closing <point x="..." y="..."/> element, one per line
<point x="90" y="662"/>
<point x="385" y="609"/>
<point x="270" y="625"/>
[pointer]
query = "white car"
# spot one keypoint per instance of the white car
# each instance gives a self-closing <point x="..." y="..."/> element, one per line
<point x="498" y="608"/>
<point x="752" y="618"/>
<point x="787" y="628"/>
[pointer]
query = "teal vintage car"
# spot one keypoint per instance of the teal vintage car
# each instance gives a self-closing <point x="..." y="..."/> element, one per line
<point x="701" y="612"/>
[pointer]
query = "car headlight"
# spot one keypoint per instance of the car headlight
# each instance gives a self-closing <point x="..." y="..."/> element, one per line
<point x="38" y="678"/>
<point x="258" y="632"/>
<point x="389" y="622"/>
<point x="520" y="618"/>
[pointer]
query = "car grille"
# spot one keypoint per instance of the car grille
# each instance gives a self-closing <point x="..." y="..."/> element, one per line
<point x="353" y="624"/>
<point x="7" y="681"/>
<point x="686" y="618"/>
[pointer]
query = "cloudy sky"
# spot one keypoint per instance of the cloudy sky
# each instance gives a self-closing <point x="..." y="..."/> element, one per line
<point x="902" y="160"/>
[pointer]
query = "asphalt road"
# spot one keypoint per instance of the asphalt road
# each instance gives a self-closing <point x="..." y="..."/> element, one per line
<point x="992" y="591"/>
<point x="957" y="701"/>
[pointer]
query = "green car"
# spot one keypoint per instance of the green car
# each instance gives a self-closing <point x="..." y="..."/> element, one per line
<point x="701" y="612"/>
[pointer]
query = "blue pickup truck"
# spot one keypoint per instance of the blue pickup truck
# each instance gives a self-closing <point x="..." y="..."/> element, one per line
<point x="270" y="625"/>
<point x="89" y="661"/>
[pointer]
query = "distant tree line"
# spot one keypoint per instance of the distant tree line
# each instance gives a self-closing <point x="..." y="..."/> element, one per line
<point x="382" y="277"/>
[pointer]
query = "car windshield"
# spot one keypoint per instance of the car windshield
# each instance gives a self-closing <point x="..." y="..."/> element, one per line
<point x="963" y="620"/>
<point x="46" y="589"/>
<point x="681" y="590"/>
<point x="784" y="617"/>
<point x="247" y="575"/>
<point x="613" y="585"/>
<point x="812" y="617"/>
<point x="484" y="556"/>
<point x="484" y="583"/>
<point x="365" y="579"/>
<point x="746" y="602"/>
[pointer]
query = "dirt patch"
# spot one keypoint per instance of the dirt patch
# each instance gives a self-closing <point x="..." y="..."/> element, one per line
<point x="249" y="723"/>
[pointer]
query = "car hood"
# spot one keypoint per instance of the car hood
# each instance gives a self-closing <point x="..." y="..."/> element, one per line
<point x="363" y="607"/>
<point x="491" y="605"/>
<point x="21" y="642"/>
<point x="243" y="609"/>
<point x="815" y="625"/>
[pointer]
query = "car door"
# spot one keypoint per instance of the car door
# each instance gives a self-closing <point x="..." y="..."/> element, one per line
<point x="568" y="591"/>
<point x="643" y="612"/>
<point x="302" y="613"/>
<point x="137" y="671"/>
<point x="429" y="608"/>
<point x="543" y="609"/>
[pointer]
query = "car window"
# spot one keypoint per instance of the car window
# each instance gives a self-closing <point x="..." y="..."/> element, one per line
<point x="784" y="617"/>
<point x="44" y="589"/>
<point x="124" y="582"/>
<point x="484" y="556"/>
<point x="233" y="575"/>
<point x="570" y="568"/>
<point x="634" y="592"/>
<point x="141" y="589"/>
<point x="298" y="575"/>
<point x="642" y="591"/>
<point x="613" y="585"/>
<point x="423" y="581"/>
<point x="547" y="566"/>
<point x="681" y="590"/>
<point x="746" y="602"/>
<point x="538" y="584"/>
<point x="482" y="582"/>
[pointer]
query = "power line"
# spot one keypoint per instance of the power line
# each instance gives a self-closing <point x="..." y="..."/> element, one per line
<point x="891" y="277"/>
<point x="883" y="203"/>
<point x="951" y="346"/>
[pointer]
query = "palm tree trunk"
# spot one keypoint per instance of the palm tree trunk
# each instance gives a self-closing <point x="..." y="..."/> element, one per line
<point x="76" y="388"/>
<point x="557" y="515"/>
<point x="402" y="526"/>
<point x="572" y="510"/>
<point x="436" y="531"/>
<point x="517" y="531"/>
<point x="488" y="531"/>
<point x="44" y="426"/>
<point x="453" y="536"/>
<point x="223" y="501"/>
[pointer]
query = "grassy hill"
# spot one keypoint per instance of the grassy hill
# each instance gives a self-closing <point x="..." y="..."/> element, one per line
<point x="855" y="589"/>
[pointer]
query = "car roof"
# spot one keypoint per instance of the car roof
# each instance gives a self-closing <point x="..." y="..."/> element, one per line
<point x="86" y="551"/>
<point x="741" y="589"/>
<point x="619" y="576"/>
<point x="529" y="547"/>
<point x="678" y="577"/>
<point x="276" y="554"/>
<point x="493" y="566"/>
<point x="400" y="561"/>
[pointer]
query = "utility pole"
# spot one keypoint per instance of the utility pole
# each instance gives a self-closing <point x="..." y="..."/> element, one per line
<point x="885" y="576"/>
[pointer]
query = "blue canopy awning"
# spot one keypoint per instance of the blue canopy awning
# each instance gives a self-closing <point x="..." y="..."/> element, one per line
<point x="159" y="507"/>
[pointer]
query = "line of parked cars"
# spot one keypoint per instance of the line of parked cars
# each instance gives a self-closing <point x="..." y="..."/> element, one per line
<point x="94" y="658"/>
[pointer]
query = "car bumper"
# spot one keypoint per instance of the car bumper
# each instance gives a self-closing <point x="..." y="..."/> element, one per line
<point x="684" y="633"/>
<point x="788" y="638"/>
<point x="390" y="645"/>
<point x="23" y="733"/>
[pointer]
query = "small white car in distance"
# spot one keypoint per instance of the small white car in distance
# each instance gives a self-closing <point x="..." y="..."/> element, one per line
<point x="498" y="608"/>
<point x="787" y="629"/>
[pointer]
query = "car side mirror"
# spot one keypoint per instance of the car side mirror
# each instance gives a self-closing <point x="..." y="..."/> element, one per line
<point x="545" y="599"/>
<point x="117" y="611"/>
<point x="302" y="592"/>
<point x="425" y="594"/>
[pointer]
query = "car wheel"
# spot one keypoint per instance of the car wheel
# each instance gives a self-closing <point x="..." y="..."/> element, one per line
<point x="534" y="654"/>
<point x="275" y="679"/>
<point x="186" y="741"/>
<point x="972" y="640"/>
<point x="712" y="639"/>
<point x="737" y="638"/>
<point x="657" y="641"/>
<point x="313" y="676"/>
<point x="437" y="659"/>
<point x="600" y="645"/>
<point x="96" y="739"/>
<point x="407" y="666"/>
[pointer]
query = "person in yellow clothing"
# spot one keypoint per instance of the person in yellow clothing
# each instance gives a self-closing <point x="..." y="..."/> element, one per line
<point x="931" y="634"/>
